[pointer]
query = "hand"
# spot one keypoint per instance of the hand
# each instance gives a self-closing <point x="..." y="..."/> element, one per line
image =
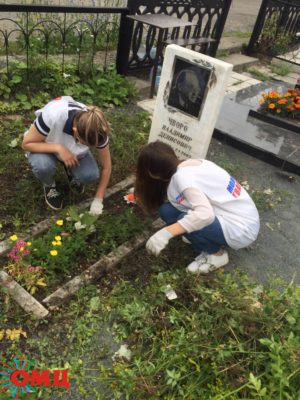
<point x="158" y="241"/>
<point x="68" y="158"/>
<point x="96" y="206"/>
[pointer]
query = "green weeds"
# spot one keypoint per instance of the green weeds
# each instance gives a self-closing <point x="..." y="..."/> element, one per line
<point x="224" y="337"/>
<point x="266" y="199"/>
<point x="100" y="87"/>
<point x="282" y="69"/>
<point x="274" y="39"/>
<point x="262" y="76"/>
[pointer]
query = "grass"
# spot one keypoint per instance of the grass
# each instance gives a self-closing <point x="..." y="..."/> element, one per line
<point x="282" y="69"/>
<point x="224" y="337"/>
<point x="237" y="34"/>
<point x="256" y="73"/>
<point x="223" y="54"/>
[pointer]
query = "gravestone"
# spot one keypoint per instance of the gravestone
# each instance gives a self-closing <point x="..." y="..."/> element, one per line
<point x="272" y="139"/>
<point x="190" y="94"/>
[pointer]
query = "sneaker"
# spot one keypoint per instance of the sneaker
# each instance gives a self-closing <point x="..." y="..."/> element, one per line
<point x="206" y="263"/>
<point x="53" y="198"/>
<point x="193" y="266"/>
<point x="75" y="186"/>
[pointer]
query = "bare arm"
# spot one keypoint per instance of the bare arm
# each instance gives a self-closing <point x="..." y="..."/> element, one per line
<point x="34" y="142"/>
<point x="105" y="162"/>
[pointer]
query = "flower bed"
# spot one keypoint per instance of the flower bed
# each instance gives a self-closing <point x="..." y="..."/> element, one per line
<point x="71" y="244"/>
<point x="280" y="109"/>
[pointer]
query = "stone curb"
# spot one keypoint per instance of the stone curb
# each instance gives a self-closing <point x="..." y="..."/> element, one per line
<point x="22" y="297"/>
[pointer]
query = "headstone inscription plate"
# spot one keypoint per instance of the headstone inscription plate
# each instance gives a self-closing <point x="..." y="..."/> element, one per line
<point x="189" y="98"/>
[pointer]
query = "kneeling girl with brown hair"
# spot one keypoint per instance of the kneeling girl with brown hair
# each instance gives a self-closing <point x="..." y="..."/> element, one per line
<point x="197" y="199"/>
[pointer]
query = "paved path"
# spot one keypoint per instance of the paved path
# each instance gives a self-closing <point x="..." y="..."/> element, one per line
<point x="242" y="15"/>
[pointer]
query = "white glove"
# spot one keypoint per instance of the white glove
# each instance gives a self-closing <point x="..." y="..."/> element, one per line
<point x="96" y="206"/>
<point x="158" y="241"/>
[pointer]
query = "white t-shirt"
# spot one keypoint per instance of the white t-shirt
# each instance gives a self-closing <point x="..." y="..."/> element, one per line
<point x="229" y="201"/>
<point x="55" y="122"/>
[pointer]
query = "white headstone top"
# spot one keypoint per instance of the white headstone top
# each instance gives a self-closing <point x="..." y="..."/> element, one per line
<point x="190" y="94"/>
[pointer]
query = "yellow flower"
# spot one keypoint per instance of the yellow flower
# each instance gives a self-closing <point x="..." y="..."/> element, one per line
<point x="22" y="249"/>
<point x="60" y="222"/>
<point x="28" y="243"/>
<point x="14" y="334"/>
<point x="58" y="238"/>
<point x="58" y="243"/>
<point x="53" y="253"/>
<point x="54" y="243"/>
<point x="14" y="238"/>
<point x="41" y="282"/>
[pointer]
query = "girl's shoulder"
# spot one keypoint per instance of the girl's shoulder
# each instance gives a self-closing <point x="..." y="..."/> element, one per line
<point x="191" y="162"/>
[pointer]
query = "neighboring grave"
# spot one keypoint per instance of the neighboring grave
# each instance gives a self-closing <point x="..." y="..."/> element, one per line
<point x="189" y="98"/>
<point x="259" y="138"/>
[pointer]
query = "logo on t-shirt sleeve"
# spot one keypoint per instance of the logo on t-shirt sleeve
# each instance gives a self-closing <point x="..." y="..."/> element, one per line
<point x="234" y="187"/>
<point x="180" y="198"/>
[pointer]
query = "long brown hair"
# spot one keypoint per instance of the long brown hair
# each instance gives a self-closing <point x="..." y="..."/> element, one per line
<point x="92" y="126"/>
<point x="156" y="165"/>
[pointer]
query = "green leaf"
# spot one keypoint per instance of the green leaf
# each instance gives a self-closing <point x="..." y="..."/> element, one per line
<point x="16" y="79"/>
<point x="14" y="143"/>
<point x="290" y="319"/>
<point x="95" y="304"/>
<point x="73" y="213"/>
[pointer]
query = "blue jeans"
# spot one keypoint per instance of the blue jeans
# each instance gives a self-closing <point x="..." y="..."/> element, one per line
<point x="44" y="168"/>
<point x="209" y="239"/>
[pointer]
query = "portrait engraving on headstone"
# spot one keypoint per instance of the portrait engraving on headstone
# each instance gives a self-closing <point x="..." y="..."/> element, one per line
<point x="188" y="87"/>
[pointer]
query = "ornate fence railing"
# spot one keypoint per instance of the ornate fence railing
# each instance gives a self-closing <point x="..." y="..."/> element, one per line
<point x="75" y="34"/>
<point x="139" y="43"/>
<point x="276" y="28"/>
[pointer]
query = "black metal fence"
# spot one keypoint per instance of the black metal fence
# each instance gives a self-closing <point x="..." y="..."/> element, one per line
<point x="209" y="17"/>
<point x="276" y="27"/>
<point x="64" y="33"/>
<point x="89" y="36"/>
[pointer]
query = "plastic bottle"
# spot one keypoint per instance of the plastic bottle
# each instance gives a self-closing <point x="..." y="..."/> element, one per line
<point x="157" y="77"/>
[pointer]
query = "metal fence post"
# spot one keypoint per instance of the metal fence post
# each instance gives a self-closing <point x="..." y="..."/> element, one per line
<point x="218" y="35"/>
<point x="257" y="27"/>
<point x="124" y="42"/>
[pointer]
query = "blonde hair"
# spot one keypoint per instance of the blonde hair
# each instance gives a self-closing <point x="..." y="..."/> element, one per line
<point x="92" y="126"/>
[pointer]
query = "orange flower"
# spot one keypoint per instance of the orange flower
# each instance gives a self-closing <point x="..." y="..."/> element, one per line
<point x="271" y="105"/>
<point x="278" y="111"/>
<point x="297" y="105"/>
<point x="282" y="101"/>
<point x="261" y="101"/>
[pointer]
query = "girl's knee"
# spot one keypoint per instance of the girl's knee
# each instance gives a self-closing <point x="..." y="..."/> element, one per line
<point x="42" y="164"/>
<point x="169" y="213"/>
<point x="90" y="176"/>
<point x="164" y="211"/>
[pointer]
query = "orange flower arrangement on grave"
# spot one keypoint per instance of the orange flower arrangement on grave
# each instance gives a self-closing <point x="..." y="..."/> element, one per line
<point x="281" y="104"/>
